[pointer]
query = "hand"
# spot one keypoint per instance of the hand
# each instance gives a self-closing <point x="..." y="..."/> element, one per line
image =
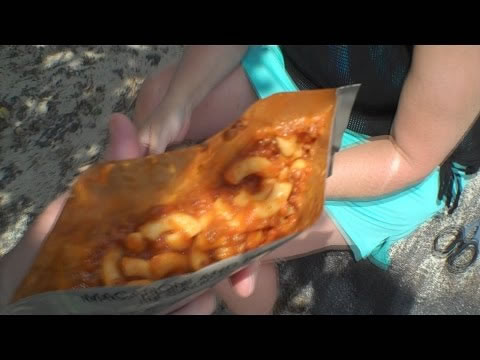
<point x="167" y="124"/>
<point x="14" y="266"/>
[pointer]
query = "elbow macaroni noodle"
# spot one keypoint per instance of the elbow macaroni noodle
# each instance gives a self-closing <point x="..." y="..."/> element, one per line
<point x="234" y="222"/>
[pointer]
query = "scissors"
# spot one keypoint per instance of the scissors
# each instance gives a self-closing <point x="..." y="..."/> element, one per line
<point x="459" y="244"/>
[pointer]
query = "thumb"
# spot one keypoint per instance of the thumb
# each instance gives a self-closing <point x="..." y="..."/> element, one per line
<point x="163" y="128"/>
<point x="244" y="281"/>
<point x="123" y="142"/>
<point x="155" y="142"/>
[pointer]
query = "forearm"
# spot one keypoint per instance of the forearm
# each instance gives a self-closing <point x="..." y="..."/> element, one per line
<point x="438" y="104"/>
<point x="201" y="68"/>
<point x="373" y="169"/>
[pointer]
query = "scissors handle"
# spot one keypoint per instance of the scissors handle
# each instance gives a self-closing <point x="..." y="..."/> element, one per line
<point x="460" y="266"/>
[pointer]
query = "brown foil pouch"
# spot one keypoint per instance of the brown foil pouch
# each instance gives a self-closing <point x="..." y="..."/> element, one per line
<point x="145" y="235"/>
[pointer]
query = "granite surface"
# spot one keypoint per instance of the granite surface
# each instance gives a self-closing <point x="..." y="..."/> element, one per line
<point x="54" y="107"/>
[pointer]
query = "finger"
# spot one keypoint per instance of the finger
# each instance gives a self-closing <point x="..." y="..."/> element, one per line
<point x="155" y="141"/>
<point x="243" y="282"/>
<point x="205" y="304"/>
<point x="183" y="131"/>
<point x="124" y="142"/>
<point x="260" y="302"/>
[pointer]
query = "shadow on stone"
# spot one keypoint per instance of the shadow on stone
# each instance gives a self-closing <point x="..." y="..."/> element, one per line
<point x="332" y="283"/>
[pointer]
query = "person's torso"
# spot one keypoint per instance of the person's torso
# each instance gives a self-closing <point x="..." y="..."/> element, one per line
<point x="381" y="69"/>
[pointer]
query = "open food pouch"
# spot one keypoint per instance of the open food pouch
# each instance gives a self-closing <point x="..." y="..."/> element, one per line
<point x="143" y="236"/>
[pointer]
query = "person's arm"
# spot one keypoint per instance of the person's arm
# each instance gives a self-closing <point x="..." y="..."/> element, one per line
<point x="200" y="69"/>
<point x="440" y="101"/>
